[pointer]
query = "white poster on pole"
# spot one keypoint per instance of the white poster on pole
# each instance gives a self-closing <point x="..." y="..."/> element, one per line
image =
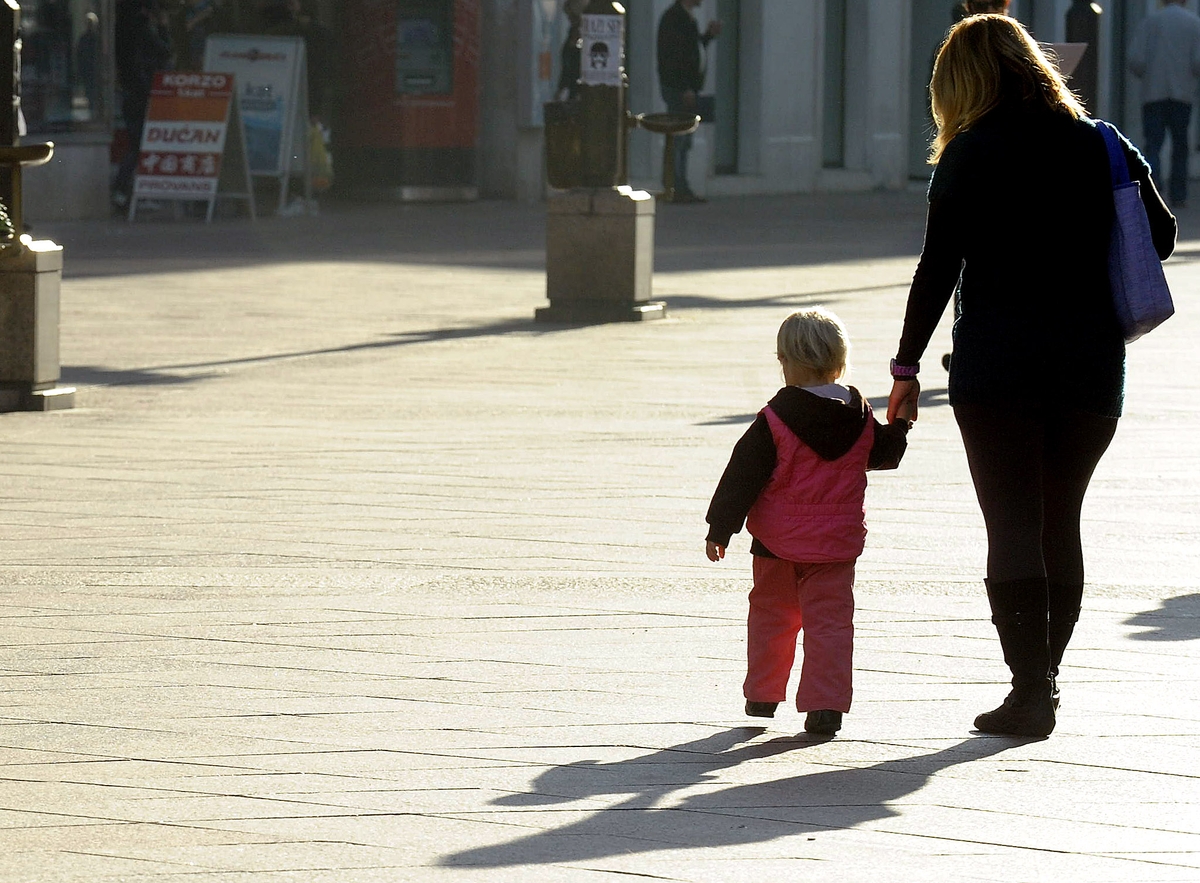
<point x="603" y="50"/>
<point x="272" y="94"/>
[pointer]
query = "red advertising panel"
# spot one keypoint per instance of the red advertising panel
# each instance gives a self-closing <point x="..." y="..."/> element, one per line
<point x="411" y="88"/>
<point x="184" y="135"/>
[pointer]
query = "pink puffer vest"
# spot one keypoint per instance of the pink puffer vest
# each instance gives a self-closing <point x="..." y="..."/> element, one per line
<point x="812" y="509"/>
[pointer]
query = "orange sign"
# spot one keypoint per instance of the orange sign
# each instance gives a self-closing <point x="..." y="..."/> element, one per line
<point x="184" y="137"/>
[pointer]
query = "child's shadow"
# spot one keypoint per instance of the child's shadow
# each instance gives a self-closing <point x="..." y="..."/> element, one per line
<point x="753" y="813"/>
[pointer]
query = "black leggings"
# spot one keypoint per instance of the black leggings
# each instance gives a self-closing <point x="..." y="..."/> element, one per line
<point x="1031" y="471"/>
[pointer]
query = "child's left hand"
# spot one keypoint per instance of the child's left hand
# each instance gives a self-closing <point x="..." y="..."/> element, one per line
<point x="714" y="551"/>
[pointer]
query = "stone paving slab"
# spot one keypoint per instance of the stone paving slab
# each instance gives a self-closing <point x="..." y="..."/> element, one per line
<point x="345" y="570"/>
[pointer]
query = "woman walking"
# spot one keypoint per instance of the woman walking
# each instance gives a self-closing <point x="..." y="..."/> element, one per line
<point x="1020" y="206"/>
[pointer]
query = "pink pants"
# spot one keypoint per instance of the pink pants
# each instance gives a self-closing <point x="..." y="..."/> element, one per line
<point x="789" y="596"/>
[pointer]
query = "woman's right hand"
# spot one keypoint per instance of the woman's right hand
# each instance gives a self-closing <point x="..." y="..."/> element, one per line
<point x="902" y="403"/>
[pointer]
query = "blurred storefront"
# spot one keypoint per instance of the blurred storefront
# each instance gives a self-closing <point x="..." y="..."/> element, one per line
<point x="407" y="120"/>
<point x="442" y="98"/>
<point x="67" y="98"/>
<point x="70" y="95"/>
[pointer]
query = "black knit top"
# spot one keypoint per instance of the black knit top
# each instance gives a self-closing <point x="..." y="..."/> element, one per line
<point x="1021" y="206"/>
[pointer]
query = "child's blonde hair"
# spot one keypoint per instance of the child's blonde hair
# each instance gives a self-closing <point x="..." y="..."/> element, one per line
<point x="816" y="340"/>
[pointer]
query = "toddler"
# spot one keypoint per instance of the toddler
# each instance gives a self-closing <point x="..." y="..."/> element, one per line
<point x="797" y="479"/>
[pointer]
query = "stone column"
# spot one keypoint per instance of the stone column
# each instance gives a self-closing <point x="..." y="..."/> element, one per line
<point x="600" y="256"/>
<point x="30" y="282"/>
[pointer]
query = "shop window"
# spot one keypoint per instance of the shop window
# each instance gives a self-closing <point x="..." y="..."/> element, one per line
<point x="65" y="65"/>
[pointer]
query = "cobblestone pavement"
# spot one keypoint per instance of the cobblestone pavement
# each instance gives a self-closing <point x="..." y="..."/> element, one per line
<point x="345" y="570"/>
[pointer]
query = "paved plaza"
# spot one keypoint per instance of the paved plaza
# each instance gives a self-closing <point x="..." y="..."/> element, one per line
<point x="345" y="570"/>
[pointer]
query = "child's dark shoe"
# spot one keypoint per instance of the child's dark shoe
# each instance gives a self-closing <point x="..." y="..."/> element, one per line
<point x="761" y="709"/>
<point x="823" y="723"/>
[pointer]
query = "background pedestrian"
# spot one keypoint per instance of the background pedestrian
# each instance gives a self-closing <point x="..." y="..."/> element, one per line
<point x="1165" y="55"/>
<point x="681" y="73"/>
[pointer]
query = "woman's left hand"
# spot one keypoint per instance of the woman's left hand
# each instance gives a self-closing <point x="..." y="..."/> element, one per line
<point x="902" y="403"/>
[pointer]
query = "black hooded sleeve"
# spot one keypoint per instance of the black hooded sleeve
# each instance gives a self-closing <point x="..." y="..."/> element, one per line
<point x="891" y="441"/>
<point x="749" y="470"/>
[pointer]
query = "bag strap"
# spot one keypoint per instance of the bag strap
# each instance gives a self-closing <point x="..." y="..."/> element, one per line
<point x="1117" y="166"/>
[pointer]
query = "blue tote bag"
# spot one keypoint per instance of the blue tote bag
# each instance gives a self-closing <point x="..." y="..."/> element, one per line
<point x="1139" y="287"/>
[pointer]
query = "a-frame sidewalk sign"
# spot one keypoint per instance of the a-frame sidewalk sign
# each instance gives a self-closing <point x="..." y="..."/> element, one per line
<point x="193" y="144"/>
<point x="272" y="95"/>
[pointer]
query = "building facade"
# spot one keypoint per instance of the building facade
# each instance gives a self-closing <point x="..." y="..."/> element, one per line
<point x="810" y="95"/>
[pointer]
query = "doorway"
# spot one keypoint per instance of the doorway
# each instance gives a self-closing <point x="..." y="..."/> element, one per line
<point x="728" y="85"/>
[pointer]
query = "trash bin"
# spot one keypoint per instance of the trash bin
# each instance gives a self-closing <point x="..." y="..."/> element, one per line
<point x="564" y="151"/>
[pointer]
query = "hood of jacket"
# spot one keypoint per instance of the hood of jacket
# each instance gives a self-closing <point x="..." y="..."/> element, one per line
<point x="829" y="426"/>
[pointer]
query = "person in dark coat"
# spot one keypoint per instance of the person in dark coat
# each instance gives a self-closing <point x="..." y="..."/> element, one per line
<point x="293" y="18"/>
<point x="681" y="76"/>
<point x="1021" y="208"/>
<point x="569" y="62"/>
<point x="141" y="50"/>
<point x="979" y="7"/>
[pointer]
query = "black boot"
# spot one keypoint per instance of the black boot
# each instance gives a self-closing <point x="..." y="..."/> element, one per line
<point x="1021" y="616"/>
<point x="761" y="709"/>
<point x="823" y="723"/>
<point x="1065" y="601"/>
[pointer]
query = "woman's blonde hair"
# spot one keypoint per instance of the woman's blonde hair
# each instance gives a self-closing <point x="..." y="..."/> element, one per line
<point x="984" y="60"/>
<point x="816" y="340"/>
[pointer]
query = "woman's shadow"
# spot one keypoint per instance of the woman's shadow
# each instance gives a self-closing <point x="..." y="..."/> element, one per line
<point x="1176" y="619"/>
<point x="739" y="814"/>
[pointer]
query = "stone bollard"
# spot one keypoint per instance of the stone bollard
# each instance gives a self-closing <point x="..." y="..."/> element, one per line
<point x="600" y="256"/>
<point x="30" y="281"/>
<point x="30" y="272"/>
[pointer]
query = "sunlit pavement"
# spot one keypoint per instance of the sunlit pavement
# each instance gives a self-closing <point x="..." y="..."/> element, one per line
<point x="344" y="569"/>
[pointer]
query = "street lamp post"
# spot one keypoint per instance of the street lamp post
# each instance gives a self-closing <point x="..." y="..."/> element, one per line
<point x="599" y="231"/>
<point x="1083" y="26"/>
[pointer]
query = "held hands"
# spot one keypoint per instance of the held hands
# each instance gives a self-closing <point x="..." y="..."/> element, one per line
<point x="713" y="29"/>
<point x="902" y="403"/>
<point x="714" y="551"/>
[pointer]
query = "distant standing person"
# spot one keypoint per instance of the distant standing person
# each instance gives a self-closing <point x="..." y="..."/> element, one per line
<point x="681" y="76"/>
<point x="1165" y="55"/>
<point x="569" y="61"/>
<point x="979" y="7"/>
<point x="141" y="49"/>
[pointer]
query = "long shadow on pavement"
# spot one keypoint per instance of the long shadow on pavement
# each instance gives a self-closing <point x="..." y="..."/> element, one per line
<point x="90" y="375"/>
<point x="762" y="231"/>
<point x="834" y="799"/>
<point x="1176" y="619"/>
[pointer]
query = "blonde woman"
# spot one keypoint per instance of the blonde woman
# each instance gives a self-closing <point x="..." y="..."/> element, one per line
<point x="1020" y="205"/>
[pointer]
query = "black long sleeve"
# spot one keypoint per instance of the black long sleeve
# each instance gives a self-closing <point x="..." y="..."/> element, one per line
<point x="749" y="470"/>
<point x="934" y="280"/>
<point x="891" y="441"/>
<point x="1163" y="226"/>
